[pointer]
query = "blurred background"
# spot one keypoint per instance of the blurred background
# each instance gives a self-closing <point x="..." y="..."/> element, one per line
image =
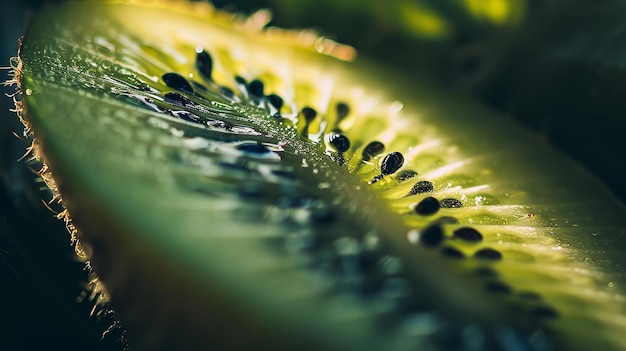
<point x="557" y="66"/>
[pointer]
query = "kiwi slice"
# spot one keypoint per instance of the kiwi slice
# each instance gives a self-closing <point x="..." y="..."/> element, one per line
<point x="235" y="187"/>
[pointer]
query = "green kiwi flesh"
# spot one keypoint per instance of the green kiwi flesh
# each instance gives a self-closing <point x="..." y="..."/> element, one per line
<point x="212" y="222"/>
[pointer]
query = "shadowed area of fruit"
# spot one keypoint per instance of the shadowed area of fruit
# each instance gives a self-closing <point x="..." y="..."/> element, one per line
<point x="240" y="183"/>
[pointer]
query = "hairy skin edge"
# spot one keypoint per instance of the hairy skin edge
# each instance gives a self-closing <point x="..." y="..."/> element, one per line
<point x="94" y="289"/>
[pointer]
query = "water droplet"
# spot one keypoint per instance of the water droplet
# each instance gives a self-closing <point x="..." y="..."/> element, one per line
<point x="396" y="106"/>
<point x="323" y="185"/>
<point x="390" y="265"/>
<point x="346" y="246"/>
<point x="420" y="325"/>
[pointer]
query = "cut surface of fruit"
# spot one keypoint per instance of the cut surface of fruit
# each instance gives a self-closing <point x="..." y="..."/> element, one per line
<point x="233" y="186"/>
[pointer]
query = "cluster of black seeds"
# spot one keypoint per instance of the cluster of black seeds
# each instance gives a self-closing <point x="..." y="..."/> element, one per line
<point x="434" y="236"/>
<point x="354" y="264"/>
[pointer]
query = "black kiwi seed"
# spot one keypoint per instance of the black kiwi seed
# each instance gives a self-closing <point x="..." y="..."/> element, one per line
<point x="406" y="174"/>
<point x="186" y="116"/>
<point x="545" y="311"/>
<point x="391" y="163"/>
<point x="240" y="80"/>
<point x="529" y="295"/>
<point x="340" y="142"/>
<point x="423" y="186"/>
<point x="178" y="82"/>
<point x="253" y="148"/>
<point x="468" y="234"/>
<point x="227" y="92"/>
<point x="275" y="101"/>
<point x="452" y="252"/>
<point x="255" y="88"/>
<point x="427" y="206"/>
<point x="498" y="287"/>
<point x="199" y="86"/>
<point x="451" y="203"/>
<point x="342" y="111"/>
<point x="486" y="272"/>
<point x="488" y="254"/>
<point x="204" y="63"/>
<point x="372" y="149"/>
<point x="432" y="236"/>
<point x="177" y="98"/>
<point x="309" y="114"/>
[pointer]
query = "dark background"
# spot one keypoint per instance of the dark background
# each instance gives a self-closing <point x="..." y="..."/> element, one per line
<point x="560" y="72"/>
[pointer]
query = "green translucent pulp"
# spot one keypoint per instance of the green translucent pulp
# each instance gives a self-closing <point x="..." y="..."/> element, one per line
<point x="178" y="219"/>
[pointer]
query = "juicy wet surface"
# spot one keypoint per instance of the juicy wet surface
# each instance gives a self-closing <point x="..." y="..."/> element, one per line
<point x="223" y="128"/>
